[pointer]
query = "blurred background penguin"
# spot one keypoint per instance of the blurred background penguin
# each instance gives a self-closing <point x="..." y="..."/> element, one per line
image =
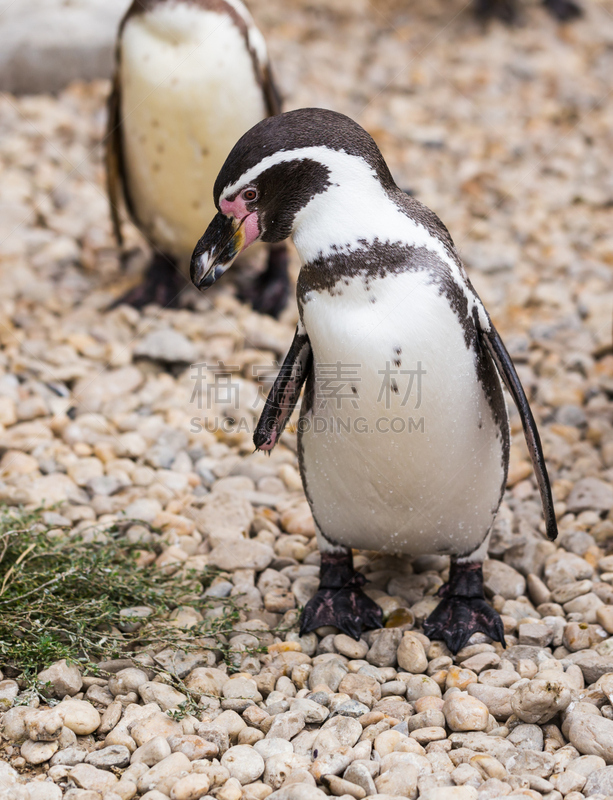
<point x="191" y="77"/>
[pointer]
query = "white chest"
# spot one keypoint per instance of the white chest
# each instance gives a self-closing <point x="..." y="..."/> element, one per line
<point x="401" y="451"/>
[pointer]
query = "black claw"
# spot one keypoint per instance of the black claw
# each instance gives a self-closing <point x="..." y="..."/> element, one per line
<point x="349" y="610"/>
<point x="564" y="10"/>
<point x="455" y="619"/>
<point x="162" y="283"/>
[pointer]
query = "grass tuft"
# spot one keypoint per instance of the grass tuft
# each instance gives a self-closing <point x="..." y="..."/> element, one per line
<point x="61" y="597"/>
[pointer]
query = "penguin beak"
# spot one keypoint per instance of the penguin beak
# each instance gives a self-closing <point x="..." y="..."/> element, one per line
<point x="222" y="241"/>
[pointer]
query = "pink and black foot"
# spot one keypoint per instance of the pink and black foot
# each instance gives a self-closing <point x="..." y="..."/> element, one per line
<point x="340" y="601"/>
<point x="463" y="610"/>
<point x="162" y="284"/>
<point x="269" y="292"/>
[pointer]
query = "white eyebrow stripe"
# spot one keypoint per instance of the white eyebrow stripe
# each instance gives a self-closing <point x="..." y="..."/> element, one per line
<point x="325" y="155"/>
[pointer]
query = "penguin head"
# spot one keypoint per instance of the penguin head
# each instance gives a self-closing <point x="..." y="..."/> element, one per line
<point x="279" y="173"/>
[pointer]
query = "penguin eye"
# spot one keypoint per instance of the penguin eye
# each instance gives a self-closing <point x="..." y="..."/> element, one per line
<point x="250" y="195"/>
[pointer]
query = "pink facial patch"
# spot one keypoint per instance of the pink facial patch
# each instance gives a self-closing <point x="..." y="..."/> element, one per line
<point x="238" y="209"/>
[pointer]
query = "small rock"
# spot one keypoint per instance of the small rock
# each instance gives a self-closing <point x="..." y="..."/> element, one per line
<point x="501" y="579"/>
<point x="38" y="752"/>
<point x="347" y="646"/>
<point x="411" y="654"/>
<point x="64" y="679"/>
<point x="592" y="735"/>
<point x="400" y="780"/>
<point x="465" y="713"/>
<point x="44" y="725"/>
<point x="191" y="787"/>
<point x="286" y="725"/>
<point x="539" y="700"/>
<point x="115" y="756"/>
<point x="590" y="494"/>
<point x="79" y="715"/>
<point x="88" y="777"/>
<point x="165" y="696"/>
<point x="385" y="642"/>
<point x="243" y="554"/>
<point x="174" y="764"/>
<point x="127" y="680"/>
<point x="243" y="763"/>
<point x="599" y="782"/>
<point x="167" y="345"/>
<point x="152" y="751"/>
<point x="340" y="787"/>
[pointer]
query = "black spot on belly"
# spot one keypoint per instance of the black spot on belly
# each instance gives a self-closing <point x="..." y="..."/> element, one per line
<point x="394" y="387"/>
<point x="354" y="390"/>
<point x="397" y="362"/>
<point x="398" y="350"/>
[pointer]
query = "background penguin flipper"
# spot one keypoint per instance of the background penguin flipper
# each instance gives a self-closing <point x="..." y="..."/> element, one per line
<point x="506" y="369"/>
<point x="272" y="96"/>
<point x="113" y="158"/>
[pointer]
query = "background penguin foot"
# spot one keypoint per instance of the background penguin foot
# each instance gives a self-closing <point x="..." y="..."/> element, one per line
<point x="564" y="10"/>
<point x="504" y="10"/>
<point x="340" y="601"/>
<point x="162" y="283"/>
<point x="269" y="292"/>
<point x="463" y="609"/>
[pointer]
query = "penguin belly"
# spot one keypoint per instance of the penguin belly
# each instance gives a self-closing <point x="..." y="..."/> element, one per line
<point x="189" y="91"/>
<point x="411" y="460"/>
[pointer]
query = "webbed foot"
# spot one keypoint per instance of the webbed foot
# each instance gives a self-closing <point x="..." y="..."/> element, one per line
<point x="269" y="292"/>
<point x="349" y="610"/>
<point x="564" y="10"/>
<point x="455" y="619"/>
<point x="463" y="609"/>
<point x="340" y="601"/>
<point x="162" y="283"/>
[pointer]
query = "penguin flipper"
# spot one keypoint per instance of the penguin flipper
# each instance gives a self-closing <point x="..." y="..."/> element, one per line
<point x="506" y="369"/>
<point x="284" y="393"/>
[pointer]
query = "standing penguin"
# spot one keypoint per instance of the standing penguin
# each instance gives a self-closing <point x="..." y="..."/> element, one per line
<point x="191" y="77"/>
<point x="409" y="454"/>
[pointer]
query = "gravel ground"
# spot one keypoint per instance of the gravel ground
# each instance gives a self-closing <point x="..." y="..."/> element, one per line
<point x="507" y="135"/>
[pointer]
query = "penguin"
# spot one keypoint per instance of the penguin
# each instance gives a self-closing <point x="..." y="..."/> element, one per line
<point x="403" y="435"/>
<point x="191" y="77"/>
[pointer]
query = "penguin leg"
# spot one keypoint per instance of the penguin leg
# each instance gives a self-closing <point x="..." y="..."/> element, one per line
<point x="505" y="10"/>
<point x="269" y="292"/>
<point x="463" y="610"/>
<point x="162" y="283"/>
<point x="339" y="600"/>
<point x="564" y="10"/>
